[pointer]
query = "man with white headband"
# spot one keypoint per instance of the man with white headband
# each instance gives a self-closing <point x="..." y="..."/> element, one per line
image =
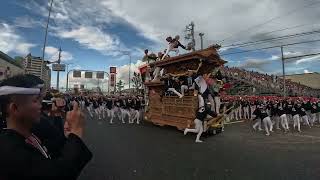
<point x="22" y="155"/>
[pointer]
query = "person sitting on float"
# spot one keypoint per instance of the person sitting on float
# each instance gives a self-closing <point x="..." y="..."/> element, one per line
<point x="149" y="57"/>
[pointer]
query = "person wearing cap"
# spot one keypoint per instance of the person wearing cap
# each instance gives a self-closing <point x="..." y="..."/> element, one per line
<point x="23" y="155"/>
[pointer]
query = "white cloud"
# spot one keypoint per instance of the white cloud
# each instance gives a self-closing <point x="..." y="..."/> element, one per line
<point x="308" y="59"/>
<point x="77" y="67"/>
<point x="53" y="54"/>
<point x="10" y="41"/>
<point x="156" y="21"/>
<point x="92" y="38"/>
<point x="274" y="57"/>
<point x="123" y="72"/>
<point x="306" y="71"/>
<point x="26" y="22"/>
<point x="291" y="53"/>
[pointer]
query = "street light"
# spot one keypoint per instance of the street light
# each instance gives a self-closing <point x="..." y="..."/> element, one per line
<point x="128" y="54"/>
<point x="45" y="39"/>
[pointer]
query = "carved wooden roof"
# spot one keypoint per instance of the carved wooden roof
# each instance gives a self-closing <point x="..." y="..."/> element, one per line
<point x="210" y="55"/>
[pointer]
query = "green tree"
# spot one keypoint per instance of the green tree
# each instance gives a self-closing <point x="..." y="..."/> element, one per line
<point x="120" y="86"/>
<point x="19" y="60"/>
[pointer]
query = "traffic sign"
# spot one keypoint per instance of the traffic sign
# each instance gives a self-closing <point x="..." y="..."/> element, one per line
<point x="58" y="67"/>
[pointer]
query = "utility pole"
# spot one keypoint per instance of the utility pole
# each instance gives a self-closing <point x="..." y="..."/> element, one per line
<point x="190" y="34"/>
<point x="283" y="72"/>
<point x="45" y="39"/>
<point x="128" y="54"/>
<point x="130" y="72"/>
<point x="201" y="39"/>
<point x="58" y="72"/>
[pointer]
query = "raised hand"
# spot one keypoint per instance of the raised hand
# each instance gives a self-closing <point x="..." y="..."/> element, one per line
<point x="74" y="121"/>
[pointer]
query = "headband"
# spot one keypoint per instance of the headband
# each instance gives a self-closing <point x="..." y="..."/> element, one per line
<point x="8" y="90"/>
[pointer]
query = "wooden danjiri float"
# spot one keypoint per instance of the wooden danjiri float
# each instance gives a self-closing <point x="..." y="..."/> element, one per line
<point x="172" y="110"/>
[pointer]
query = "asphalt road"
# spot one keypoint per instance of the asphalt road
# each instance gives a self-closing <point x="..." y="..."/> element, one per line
<point x="148" y="152"/>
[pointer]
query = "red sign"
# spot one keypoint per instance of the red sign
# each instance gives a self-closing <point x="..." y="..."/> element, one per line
<point x="113" y="70"/>
<point x="112" y="80"/>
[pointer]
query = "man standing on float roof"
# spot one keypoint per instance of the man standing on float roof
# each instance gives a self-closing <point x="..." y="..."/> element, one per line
<point x="22" y="155"/>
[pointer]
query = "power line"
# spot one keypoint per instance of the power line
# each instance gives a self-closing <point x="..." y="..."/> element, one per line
<point x="287" y="28"/>
<point x="270" y="47"/>
<point x="302" y="42"/>
<point x="283" y="29"/>
<point x="273" y="39"/>
<point x="270" y="20"/>
<point x="306" y="55"/>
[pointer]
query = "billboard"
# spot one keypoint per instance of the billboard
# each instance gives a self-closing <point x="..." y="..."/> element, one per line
<point x="58" y="67"/>
<point x="77" y="74"/>
<point x="113" y="70"/>
<point x="100" y="75"/>
<point x="88" y="75"/>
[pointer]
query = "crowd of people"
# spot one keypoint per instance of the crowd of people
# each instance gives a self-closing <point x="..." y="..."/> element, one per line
<point x="108" y="108"/>
<point x="273" y="110"/>
<point x="270" y="81"/>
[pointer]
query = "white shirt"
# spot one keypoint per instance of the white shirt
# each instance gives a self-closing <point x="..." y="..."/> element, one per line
<point x="201" y="83"/>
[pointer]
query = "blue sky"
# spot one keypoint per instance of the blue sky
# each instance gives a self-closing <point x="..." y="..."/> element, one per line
<point x="90" y="32"/>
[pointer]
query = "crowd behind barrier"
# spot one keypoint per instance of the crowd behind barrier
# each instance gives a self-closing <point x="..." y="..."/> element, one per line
<point x="270" y="81"/>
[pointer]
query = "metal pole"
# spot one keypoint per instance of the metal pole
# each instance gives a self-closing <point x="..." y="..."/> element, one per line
<point x="45" y="40"/>
<point x="67" y="83"/>
<point x="115" y="83"/>
<point x="58" y="72"/>
<point x="108" y="83"/>
<point x="283" y="73"/>
<point x="192" y="35"/>
<point x="130" y="72"/>
<point x="201" y="39"/>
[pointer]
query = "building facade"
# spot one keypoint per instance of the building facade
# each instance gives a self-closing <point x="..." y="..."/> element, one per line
<point x="32" y="65"/>
<point x="9" y="67"/>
